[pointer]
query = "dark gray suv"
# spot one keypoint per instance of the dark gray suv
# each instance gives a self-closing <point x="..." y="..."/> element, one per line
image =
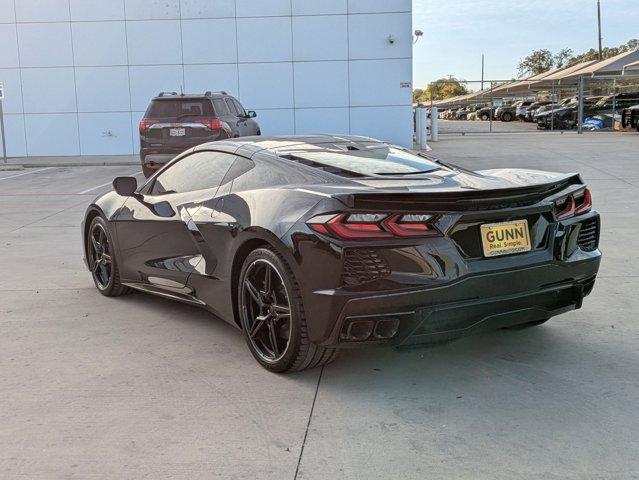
<point x="176" y="122"/>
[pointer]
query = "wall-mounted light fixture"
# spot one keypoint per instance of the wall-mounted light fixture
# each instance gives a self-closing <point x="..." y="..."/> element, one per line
<point x="418" y="33"/>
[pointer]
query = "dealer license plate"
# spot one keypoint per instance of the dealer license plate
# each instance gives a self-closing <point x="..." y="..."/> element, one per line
<point x="177" y="132"/>
<point x="505" y="238"/>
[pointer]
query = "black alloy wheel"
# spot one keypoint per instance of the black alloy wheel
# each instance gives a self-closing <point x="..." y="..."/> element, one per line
<point x="267" y="310"/>
<point x="507" y="117"/>
<point x="102" y="261"/>
<point x="272" y="315"/>
<point x="100" y="254"/>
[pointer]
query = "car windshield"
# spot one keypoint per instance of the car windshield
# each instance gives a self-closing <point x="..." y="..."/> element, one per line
<point x="602" y="102"/>
<point x="179" y="108"/>
<point x="368" y="160"/>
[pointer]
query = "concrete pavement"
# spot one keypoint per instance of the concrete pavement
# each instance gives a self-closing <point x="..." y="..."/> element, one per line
<point x="140" y="387"/>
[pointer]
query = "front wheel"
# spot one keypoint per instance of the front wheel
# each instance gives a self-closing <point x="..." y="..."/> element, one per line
<point x="102" y="260"/>
<point x="507" y="117"/>
<point x="272" y="315"/>
<point x="484" y="117"/>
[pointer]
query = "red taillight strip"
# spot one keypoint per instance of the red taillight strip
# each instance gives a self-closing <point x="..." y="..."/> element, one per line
<point x="572" y="208"/>
<point x="391" y="226"/>
<point x="395" y="225"/>
<point x="342" y="229"/>
<point x="569" y="209"/>
<point x="586" y="204"/>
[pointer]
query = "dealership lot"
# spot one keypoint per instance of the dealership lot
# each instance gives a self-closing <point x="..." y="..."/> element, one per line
<point x="140" y="387"/>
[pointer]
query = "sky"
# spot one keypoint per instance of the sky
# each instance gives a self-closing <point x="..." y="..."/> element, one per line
<point x="457" y="32"/>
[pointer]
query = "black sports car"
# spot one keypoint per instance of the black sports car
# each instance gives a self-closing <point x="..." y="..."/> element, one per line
<point x="309" y="244"/>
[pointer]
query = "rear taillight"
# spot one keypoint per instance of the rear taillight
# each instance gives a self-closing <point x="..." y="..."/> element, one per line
<point x="211" y="123"/>
<point x="574" y="204"/>
<point x="146" y="123"/>
<point x="357" y="226"/>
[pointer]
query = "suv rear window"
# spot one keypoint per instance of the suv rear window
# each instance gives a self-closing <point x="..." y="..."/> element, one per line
<point x="175" y="108"/>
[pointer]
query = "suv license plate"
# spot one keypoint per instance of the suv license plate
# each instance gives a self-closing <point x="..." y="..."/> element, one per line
<point x="177" y="132"/>
<point x="505" y="238"/>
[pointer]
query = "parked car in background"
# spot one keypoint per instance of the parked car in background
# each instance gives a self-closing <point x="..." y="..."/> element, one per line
<point x="630" y="117"/>
<point x="521" y="109"/>
<point x="464" y="113"/>
<point x="485" y="113"/>
<point x="507" y="112"/>
<point x="175" y="122"/>
<point x="565" y="117"/>
<point x="532" y="108"/>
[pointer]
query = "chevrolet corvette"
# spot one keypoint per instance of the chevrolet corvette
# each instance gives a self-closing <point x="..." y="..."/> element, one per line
<point x="311" y="244"/>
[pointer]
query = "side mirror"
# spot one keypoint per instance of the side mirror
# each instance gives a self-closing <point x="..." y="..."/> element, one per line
<point x="125" y="186"/>
<point x="251" y="114"/>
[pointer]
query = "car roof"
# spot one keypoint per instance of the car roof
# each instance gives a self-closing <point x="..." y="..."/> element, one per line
<point x="283" y="144"/>
<point x="192" y="96"/>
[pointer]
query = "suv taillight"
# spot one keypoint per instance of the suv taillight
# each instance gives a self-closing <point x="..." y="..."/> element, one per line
<point x="211" y="123"/>
<point x="356" y="226"/>
<point x="145" y="123"/>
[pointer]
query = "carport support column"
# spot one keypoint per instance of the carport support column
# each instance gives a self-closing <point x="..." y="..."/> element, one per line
<point x="580" y="109"/>
<point x="434" y="124"/>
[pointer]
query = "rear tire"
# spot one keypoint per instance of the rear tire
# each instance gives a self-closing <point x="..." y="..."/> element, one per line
<point x="278" y="340"/>
<point x="507" y="117"/>
<point x="484" y="117"/>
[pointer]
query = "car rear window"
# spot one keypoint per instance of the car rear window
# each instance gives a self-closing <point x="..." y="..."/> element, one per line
<point x="364" y="160"/>
<point x="179" y="107"/>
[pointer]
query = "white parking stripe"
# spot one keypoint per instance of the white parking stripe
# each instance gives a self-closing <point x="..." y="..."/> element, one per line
<point x="27" y="173"/>
<point x="103" y="185"/>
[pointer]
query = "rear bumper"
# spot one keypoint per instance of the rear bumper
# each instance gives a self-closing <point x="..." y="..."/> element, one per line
<point x="472" y="305"/>
<point x="436" y="293"/>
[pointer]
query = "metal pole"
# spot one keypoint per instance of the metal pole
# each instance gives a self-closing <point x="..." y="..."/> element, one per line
<point x="490" y="112"/>
<point x="482" y="71"/>
<point x="4" y="142"/>
<point x="580" y="110"/>
<point x="552" y="108"/>
<point x="599" y="26"/>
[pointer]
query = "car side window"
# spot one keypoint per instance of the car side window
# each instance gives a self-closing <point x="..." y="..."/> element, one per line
<point x="239" y="168"/>
<point x="239" y="108"/>
<point x="198" y="171"/>
<point x="231" y="106"/>
<point x="220" y="106"/>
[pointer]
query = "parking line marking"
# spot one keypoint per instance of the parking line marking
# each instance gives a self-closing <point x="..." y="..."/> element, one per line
<point x="27" y="173"/>
<point x="100" y="186"/>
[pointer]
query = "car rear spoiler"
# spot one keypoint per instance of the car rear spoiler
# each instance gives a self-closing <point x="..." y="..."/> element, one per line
<point x="458" y="199"/>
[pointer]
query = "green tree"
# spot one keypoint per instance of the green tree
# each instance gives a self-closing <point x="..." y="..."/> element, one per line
<point x="440" y="89"/>
<point x="537" y="62"/>
<point x="543" y="60"/>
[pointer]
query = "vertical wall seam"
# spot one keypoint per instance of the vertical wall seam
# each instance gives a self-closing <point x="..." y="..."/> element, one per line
<point x="24" y="114"/>
<point x="75" y="83"/>
<point x="181" y="46"/>
<point x="237" y="55"/>
<point x="293" y="73"/>
<point x="128" y="77"/>
<point x="348" y="63"/>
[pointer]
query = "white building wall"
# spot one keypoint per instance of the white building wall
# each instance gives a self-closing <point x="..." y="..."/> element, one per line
<point x="78" y="74"/>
